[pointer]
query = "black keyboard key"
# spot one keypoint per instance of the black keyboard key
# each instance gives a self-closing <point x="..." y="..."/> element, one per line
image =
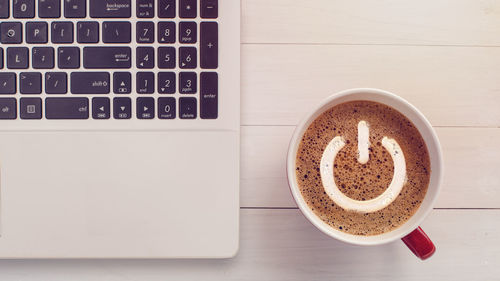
<point x="24" y="9"/>
<point x="101" y="108"/>
<point x="187" y="57"/>
<point x="166" y="9"/>
<point x="67" y="108"/>
<point x="87" y="32"/>
<point x="43" y="57"/>
<point x="145" y="108"/>
<point x="75" y="8"/>
<point x="56" y="83"/>
<point x="122" y="83"/>
<point x="4" y="9"/>
<point x="17" y="57"/>
<point x="7" y="83"/>
<point x="209" y="9"/>
<point x="187" y="108"/>
<point x="30" y="83"/>
<point x="107" y="57"/>
<point x="187" y="32"/>
<point x="12" y="32"/>
<point x="90" y="83"/>
<point x="49" y="9"/>
<point x="209" y="92"/>
<point x="145" y="57"/>
<point x="145" y="32"/>
<point x="62" y="32"/>
<point x="110" y="8"/>
<point x="166" y="57"/>
<point x="1" y="58"/>
<point x="8" y="108"/>
<point x="30" y="108"/>
<point x="187" y="9"/>
<point x="68" y="57"/>
<point x="166" y="108"/>
<point x="209" y="45"/>
<point x="37" y="33"/>
<point x="145" y="8"/>
<point x="187" y="83"/>
<point x="166" y="32"/>
<point x="122" y="108"/>
<point x="116" y="32"/>
<point x="145" y="82"/>
<point x="166" y="83"/>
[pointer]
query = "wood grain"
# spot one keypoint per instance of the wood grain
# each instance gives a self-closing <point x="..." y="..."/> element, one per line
<point x="471" y="178"/>
<point x="283" y="245"/>
<point x="404" y="22"/>
<point x="452" y="86"/>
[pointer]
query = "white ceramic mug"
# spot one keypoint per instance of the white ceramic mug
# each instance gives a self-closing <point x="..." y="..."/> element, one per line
<point x="410" y="232"/>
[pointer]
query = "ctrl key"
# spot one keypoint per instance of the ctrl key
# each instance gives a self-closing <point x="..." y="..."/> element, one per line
<point x="8" y="108"/>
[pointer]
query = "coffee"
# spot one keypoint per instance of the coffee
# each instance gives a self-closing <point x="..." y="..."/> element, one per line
<point x="364" y="179"/>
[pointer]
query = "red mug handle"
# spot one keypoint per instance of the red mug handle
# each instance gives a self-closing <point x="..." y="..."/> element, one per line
<point x="419" y="243"/>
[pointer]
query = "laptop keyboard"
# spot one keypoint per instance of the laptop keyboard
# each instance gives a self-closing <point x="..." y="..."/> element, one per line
<point x="108" y="59"/>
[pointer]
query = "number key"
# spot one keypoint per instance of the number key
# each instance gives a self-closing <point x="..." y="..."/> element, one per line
<point x="4" y="9"/>
<point x="24" y="9"/>
<point x="166" y="83"/>
<point x="187" y="82"/>
<point x="145" y="31"/>
<point x="166" y="32"/>
<point x="166" y="108"/>
<point x="187" y="57"/>
<point x="145" y="57"/>
<point x="187" y="32"/>
<point x="145" y="82"/>
<point x="166" y="57"/>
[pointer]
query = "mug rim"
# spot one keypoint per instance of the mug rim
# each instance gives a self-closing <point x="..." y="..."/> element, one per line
<point x="318" y="222"/>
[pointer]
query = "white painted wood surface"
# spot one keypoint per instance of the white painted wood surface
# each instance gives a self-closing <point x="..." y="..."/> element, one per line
<point x="283" y="245"/>
<point x="441" y="55"/>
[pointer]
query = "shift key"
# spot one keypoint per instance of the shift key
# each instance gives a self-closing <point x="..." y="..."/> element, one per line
<point x="90" y="83"/>
<point x="107" y="57"/>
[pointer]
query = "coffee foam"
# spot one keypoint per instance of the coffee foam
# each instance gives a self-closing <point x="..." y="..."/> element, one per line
<point x="368" y="206"/>
<point x="363" y="181"/>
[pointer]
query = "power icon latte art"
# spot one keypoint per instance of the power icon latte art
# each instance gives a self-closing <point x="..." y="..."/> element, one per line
<point x="363" y="168"/>
<point x="371" y="205"/>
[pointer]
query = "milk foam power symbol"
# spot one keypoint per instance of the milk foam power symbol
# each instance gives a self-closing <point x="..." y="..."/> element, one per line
<point x="368" y="206"/>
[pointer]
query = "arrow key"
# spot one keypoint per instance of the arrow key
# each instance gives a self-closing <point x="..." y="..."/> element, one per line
<point x="122" y="108"/>
<point x="122" y="83"/>
<point x="100" y="108"/>
<point x="145" y="108"/>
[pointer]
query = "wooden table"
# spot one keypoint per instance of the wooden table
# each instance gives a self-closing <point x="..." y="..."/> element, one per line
<point x="441" y="55"/>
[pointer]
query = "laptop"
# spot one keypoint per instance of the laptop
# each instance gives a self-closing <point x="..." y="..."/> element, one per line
<point x="119" y="128"/>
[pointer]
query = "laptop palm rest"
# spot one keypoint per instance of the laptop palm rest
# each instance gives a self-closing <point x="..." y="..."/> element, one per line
<point x="109" y="194"/>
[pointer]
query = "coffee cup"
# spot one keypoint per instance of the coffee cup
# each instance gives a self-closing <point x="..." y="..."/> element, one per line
<point x="409" y="232"/>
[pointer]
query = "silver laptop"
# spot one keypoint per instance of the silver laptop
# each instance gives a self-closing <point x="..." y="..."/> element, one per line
<point x="119" y="128"/>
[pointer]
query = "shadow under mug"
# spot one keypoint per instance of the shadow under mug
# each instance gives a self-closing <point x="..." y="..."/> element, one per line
<point x="410" y="232"/>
